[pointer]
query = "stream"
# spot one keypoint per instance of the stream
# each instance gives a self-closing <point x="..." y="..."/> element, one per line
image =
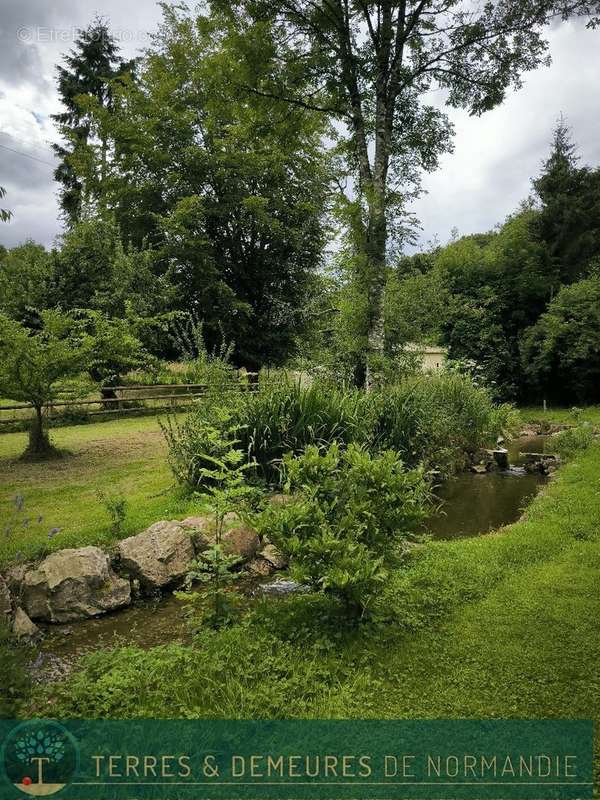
<point x="472" y="504"/>
<point x="469" y="505"/>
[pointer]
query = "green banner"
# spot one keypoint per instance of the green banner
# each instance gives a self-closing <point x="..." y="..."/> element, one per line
<point x="297" y="759"/>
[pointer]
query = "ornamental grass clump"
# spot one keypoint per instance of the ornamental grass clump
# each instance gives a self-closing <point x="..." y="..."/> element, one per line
<point x="437" y="420"/>
<point x="288" y="417"/>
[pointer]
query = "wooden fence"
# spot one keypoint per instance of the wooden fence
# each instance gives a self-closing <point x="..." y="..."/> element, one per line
<point x="125" y="400"/>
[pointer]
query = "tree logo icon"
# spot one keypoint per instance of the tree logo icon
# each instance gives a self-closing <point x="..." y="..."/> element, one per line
<point x="40" y="758"/>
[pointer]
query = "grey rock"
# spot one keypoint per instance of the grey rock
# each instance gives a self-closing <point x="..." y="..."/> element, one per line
<point x="241" y="541"/>
<point x="23" y="627"/>
<point x="271" y="554"/>
<point x="73" y="584"/>
<point x="260" y="566"/>
<point x="159" y="556"/>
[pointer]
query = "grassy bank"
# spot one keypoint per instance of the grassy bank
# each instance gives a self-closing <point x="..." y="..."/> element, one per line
<point x="559" y="416"/>
<point x="503" y="625"/>
<point x="121" y="458"/>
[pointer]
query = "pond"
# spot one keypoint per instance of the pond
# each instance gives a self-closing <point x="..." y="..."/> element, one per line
<point x="471" y="504"/>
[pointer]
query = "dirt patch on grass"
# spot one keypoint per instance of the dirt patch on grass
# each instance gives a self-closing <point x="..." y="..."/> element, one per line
<point x="89" y="455"/>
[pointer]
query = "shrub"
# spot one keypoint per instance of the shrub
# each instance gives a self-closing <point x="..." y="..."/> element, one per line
<point x="351" y="513"/>
<point x="573" y="440"/>
<point x="206" y="437"/>
<point x="432" y="419"/>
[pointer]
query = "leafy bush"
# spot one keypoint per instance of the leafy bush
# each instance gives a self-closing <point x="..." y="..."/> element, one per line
<point x="205" y="438"/>
<point x="573" y="440"/>
<point x="352" y="511"/>
<point x="434" y="419"/>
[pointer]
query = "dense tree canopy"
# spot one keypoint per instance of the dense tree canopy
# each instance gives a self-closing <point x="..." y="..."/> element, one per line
<point x="229" y="193"/>
<point x="370" y="66"/>
<point x="569" y="223"/>
<point x="561" y="352"/>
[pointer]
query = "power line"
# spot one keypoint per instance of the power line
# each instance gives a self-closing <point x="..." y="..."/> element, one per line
<point x="26" y="155"/>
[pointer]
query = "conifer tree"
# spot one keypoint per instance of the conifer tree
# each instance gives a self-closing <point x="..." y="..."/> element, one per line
<point x="87" y="75"/>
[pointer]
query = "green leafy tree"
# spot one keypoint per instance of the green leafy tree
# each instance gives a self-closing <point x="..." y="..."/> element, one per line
<point x="223" y="481"/>
<point x="33" y="362"/>
<point x="93" y="270"/>
<point x="25" y="281"/>
<point x="87" y="75"/>
<point x="498" y="286"/>
<point x="345" y="525"/>
<point x="5" y="215"/>
<point x="230" y="191"/>
<point x="370" y="67"/>
<point x="114" y="350"/>
<point x="561" y="352"/>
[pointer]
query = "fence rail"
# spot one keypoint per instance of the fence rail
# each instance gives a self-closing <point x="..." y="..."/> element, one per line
<point x="125" y="399"/>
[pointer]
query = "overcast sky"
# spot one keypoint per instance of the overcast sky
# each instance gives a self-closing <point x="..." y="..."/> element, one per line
<point x="480" y="183"/>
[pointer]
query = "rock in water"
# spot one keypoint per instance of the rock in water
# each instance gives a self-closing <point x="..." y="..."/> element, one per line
<point x="159" y="556"/>
<point x="23" y="627"/>
<point x="73" y="584"/>
<point x="501" y="457"/>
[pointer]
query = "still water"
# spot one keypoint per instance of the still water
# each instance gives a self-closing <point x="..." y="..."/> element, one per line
<point x="472" y="504"/>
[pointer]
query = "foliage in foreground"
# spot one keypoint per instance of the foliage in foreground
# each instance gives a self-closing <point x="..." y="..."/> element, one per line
<point x="462" y="611"/>
<point x="350" y="513"/>
<point x="571" y="441"/>
<point x="14" y="679"/>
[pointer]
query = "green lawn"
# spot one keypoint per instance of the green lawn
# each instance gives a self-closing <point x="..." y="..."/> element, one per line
<point x="124" y="457"/>
<point x="560" y="415"/>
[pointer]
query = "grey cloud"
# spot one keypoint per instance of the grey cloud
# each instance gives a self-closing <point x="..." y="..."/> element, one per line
<point x="27" y="168"/>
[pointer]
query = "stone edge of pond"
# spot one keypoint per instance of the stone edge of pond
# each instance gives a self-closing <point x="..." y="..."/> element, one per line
<point x="75" y="584"/>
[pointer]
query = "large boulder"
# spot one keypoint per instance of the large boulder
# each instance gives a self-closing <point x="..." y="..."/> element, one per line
<point x="202" y="531"/>
<point x="271" y="554"/>
<point x="5" y="601"/>
<point x="73" y="584"/>
<point x="159" y="556"/>
<point x="260" y="567"/>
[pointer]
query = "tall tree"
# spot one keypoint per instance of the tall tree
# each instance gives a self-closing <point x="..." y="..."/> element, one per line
<point x="230" y="193"/>
<point x="569" y="222"/>
<point x="369" y="64"/>
<point x="88" y="74"/>
<point x="25" y="282"/>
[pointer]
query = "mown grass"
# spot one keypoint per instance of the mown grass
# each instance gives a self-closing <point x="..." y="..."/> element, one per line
<point x="503" y="625"/>
<point x="124" y="457"/>
<point x="557" y="416"/>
